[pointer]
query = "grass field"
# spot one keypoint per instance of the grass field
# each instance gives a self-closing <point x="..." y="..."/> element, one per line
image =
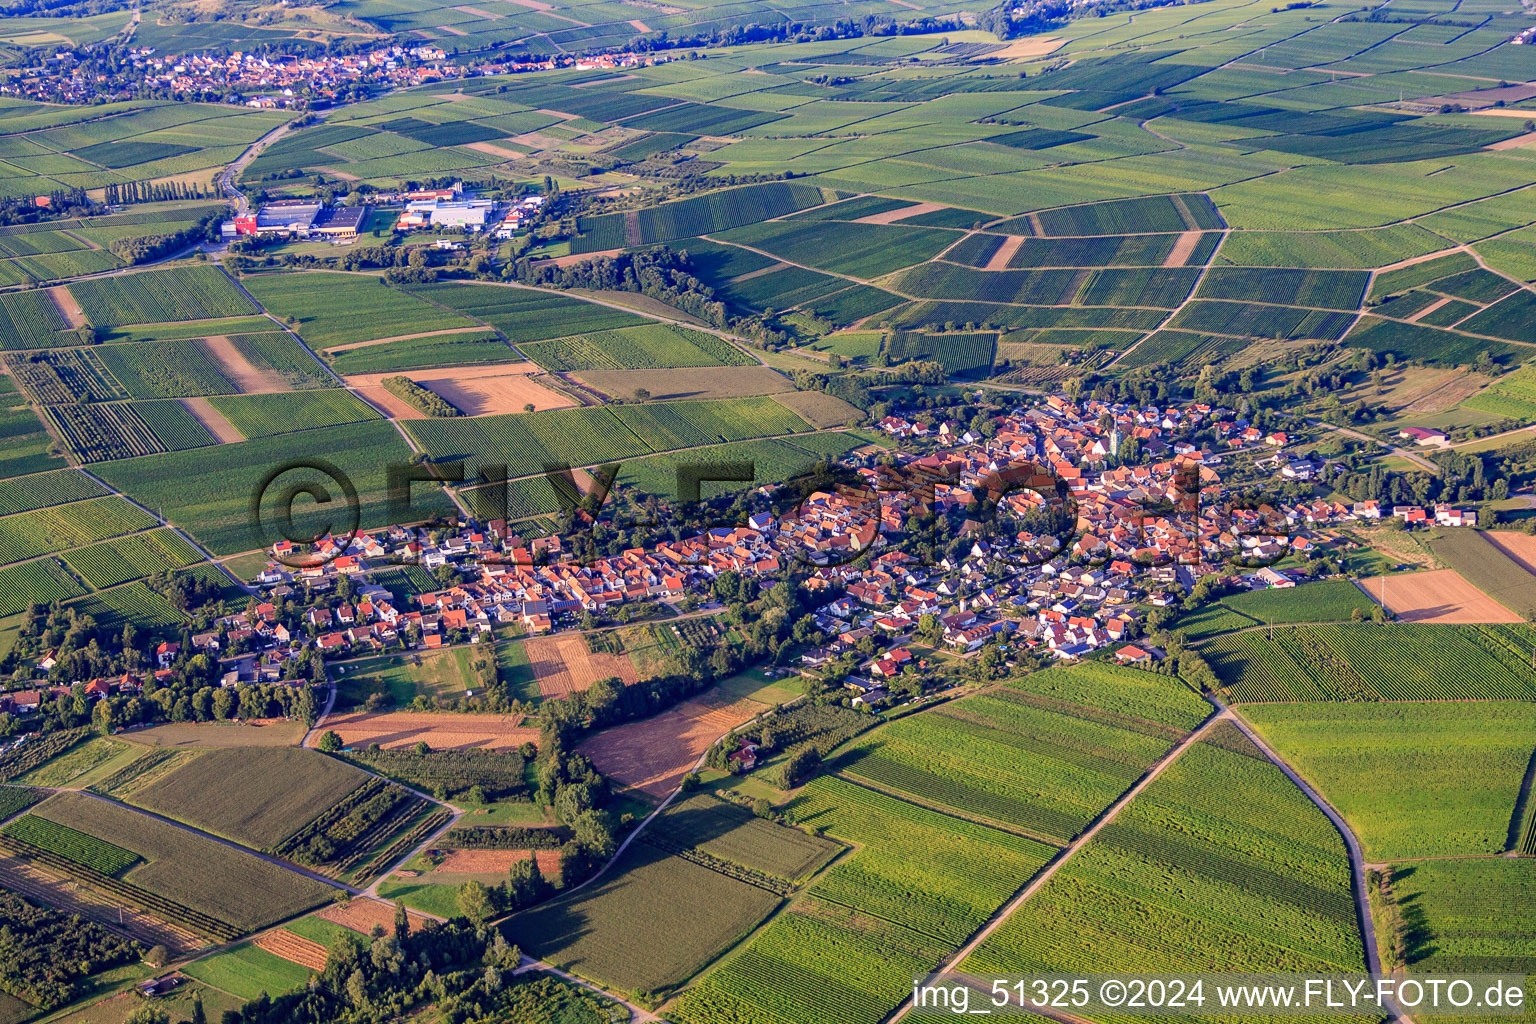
<point x="1413" y="780"/>
<point x="247" y="971"/>
<point x="689" y="914"/>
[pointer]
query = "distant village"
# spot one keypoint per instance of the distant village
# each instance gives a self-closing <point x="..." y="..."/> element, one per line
<point x="1018" y="590"/>
<point x="276" y="81"/>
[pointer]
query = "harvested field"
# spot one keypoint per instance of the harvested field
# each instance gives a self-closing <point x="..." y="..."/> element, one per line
<point x="363" y="913"/>
<point x="38" y="885"/>
<point x="212" y="419"/>
<point x="565" y="664"/>
<point x="575" y="257"/>
<point x="1027" y="49"/>
<point x="653" y="755"/>
<point x="293" y="948"/>
<point x="999" y="260"/>
<point x="1179" y="255"/>
<point x="391" y="729"/>
<point x="1442" y="595"/>
<point x="1528" y="139"/>
<point x="892" y="216"/>
<point x="638" y="25"/>
<point x="260" y="732"/>
<point x="687" y="382"/>
<point x="68" y="307"/>
<point x="818" y="409"/>
<point x="477" y="390"/>
<point x="239" y="370"/>
<point x="494" y="150"/>
<point x="1519" y="547"/>
<point x="495" y="862"/>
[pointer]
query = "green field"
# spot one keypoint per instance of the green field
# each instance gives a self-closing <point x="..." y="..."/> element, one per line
<point x="160" y="296"/>
<point x="265" y="794"/>
<point x="336" y="309"/>
<point x="1219" y="865"/>
<point x="1413" y="780"/>
<point x="1420" y="661"/>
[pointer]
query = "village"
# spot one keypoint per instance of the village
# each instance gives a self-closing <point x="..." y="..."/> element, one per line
<point x="278" y="81"/>
<point x="1138" y="539"/>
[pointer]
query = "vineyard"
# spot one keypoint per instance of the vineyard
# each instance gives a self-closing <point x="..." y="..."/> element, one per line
<point x="166" y="369"/>
<point x="96" y="854"/>
<point x="731" y="833"/>
<point x="1371" y="662"/>
<point x="131" y="558"/>
<point x="653" y="346"/>
<point x="31" y="320"/>
<point x="40" y="582"/>
<point x="353" y="829"/>
<point x="1219" y="865"/>
<point x="525" y="443"/>
<point x="18" y="761"/>
<point x="40" y="531"/>
<point x="160" y="296"/>
<point x="715" y="211"/>
<point x="1414" y="780"/>
<point x="63" y="376"/>
<point x="920" y="868"/>
<point x="1465" y="905"/>
<point x="455" y="771"/>
<point x="42" y="489"/>
<point x="1043" y="771"/>
<point x="816" y="963"/>
<point x="98" y="433"/>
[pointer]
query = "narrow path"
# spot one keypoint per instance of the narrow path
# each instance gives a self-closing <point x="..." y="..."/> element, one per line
<point x="454" y="814"/>
<point x="637" y="1015"/>
<point x="1035" y="884"/>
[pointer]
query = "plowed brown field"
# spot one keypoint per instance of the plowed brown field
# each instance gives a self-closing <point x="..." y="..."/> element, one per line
<point x="565" y="664"/>
<point x="390" y="729"/>
<point x="653" y="755"/>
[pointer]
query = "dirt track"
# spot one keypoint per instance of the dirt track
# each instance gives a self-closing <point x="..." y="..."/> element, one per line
<point x="214" y="420"/>
<point x="239" y="370"/>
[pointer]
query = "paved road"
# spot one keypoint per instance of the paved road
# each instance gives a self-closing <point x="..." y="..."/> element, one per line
<point x="1413" y="457"/>
<point x="231" y="173"/>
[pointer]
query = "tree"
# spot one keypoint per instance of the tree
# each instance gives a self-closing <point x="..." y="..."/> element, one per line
<point x="474" y="902"/>
<point x="158" y="956"/>
<point x="642" y="395"/>
<point x="149" y="1013"/>
<point x="330" y="742"/>
<point x="402" y="922"/>
<point x="199" y="1016"/>
<point x="762" y="807"/>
